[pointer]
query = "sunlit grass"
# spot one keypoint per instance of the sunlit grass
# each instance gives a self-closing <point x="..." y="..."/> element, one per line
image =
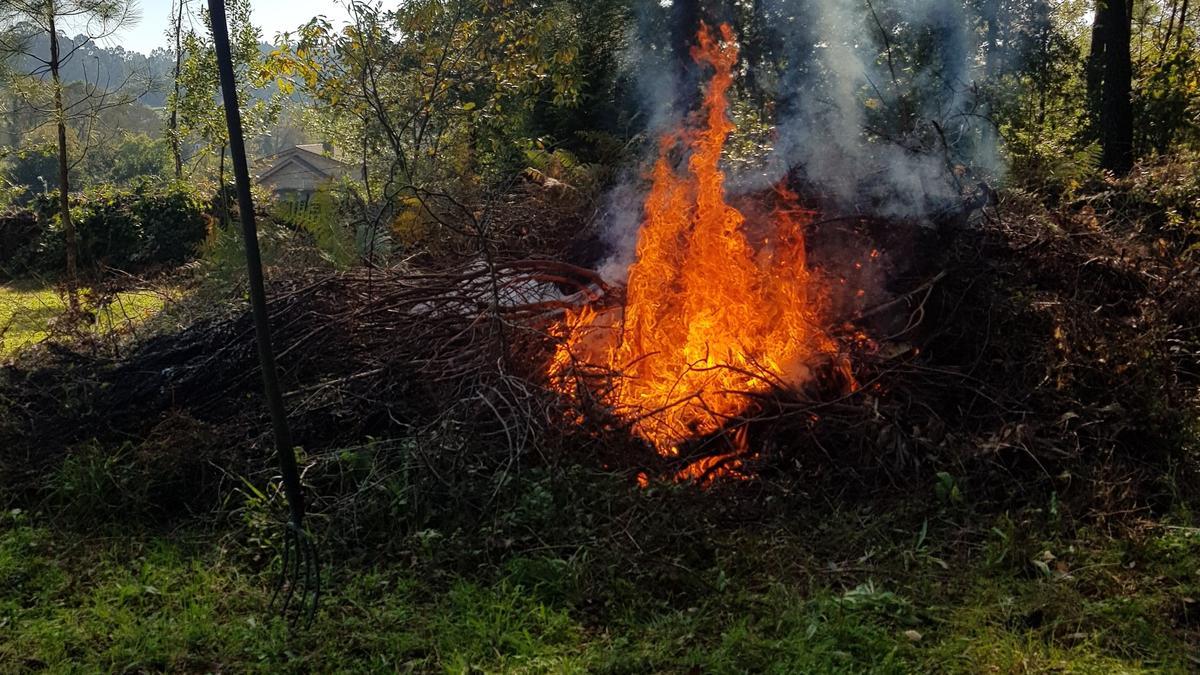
<point x="135" y="602"/>
<point x="28" y="311"/>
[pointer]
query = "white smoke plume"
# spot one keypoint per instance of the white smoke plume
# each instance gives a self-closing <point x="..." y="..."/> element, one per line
<point x="847" y="58"/>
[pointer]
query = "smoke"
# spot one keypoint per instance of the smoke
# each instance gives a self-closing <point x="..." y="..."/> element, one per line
<point x="878" y="106"/>
<point x="622" y="216"/>
<point x="875" y="104"/>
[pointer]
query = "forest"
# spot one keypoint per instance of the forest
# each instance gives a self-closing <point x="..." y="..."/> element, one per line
<point x="613" y="336"/>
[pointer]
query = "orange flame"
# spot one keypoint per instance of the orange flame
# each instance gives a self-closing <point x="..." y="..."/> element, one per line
<point x="710" y="320"/>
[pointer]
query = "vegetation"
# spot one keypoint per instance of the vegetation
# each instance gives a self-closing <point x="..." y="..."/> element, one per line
<point x="129" y="230"/>
<point x="869" y="589"/>
<point x="987" y="463"/>
<point x="103" y="17"/>
<point x="29" y="310"/>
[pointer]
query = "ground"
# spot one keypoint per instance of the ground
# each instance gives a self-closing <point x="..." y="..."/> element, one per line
<point x="860" y="591"/>
<point x="28" y="308"/>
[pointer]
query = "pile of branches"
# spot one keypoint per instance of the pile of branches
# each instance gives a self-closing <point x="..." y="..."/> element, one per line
<point x="1016" y="352"/>
<point x="1026" y="353"/>
<point x="448" y="356"/>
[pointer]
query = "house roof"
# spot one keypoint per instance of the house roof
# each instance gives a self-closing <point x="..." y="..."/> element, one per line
<point x="315" y="148"/>
<point x="284" y="160"/>
<point x="309" y="149"/>
<point x="311" y="160"/>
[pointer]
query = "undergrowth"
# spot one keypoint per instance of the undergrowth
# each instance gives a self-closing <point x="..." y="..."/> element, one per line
<point x="872" y="589"/>
<point x="1051" y="535"/>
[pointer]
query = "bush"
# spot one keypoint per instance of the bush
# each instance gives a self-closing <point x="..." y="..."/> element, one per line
<point x="19" y="234"/>
<point x="125" y="229"/>
<point x="320" y="216"/>
<point x="108" y="233"/>
<point x="173" y="226"/>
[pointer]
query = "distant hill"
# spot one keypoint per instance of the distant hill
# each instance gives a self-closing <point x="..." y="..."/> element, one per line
<point x="147" y="76"/>
<point x="110" y="67"/>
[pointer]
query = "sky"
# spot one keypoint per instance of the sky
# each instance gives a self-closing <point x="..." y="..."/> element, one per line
<point x="272" y="16"/>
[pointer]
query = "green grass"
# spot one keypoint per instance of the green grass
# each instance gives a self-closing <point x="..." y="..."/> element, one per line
<point x="144" y="602"/>
<point x="28" y="310"/>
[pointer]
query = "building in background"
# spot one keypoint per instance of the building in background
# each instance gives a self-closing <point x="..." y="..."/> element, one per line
<point x="300" y="171"/>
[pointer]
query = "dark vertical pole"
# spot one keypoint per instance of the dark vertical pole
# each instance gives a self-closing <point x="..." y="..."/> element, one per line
<point x="258" y="295"/>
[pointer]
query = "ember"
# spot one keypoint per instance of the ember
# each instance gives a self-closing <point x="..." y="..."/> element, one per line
<point x="710" y="320"/>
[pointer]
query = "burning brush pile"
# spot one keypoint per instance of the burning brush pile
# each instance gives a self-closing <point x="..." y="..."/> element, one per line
<point x="718" y="310"/>
<point x="1020" y="349"/>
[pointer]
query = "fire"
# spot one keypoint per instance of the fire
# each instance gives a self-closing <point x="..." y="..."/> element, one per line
<point x="711" y="320"/>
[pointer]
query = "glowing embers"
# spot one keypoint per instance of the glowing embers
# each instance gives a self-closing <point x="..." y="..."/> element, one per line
<point x="718" y="310"/>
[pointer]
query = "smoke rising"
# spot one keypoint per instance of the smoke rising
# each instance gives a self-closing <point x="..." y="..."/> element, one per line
<point x="875" y="104"/>
<point x="882" y="104"/>
<point x="878" y="103"/>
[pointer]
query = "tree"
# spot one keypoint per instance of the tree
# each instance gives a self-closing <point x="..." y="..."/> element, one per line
<point x="1110" y="83"/>
<point x="199" y="113"/>
<point x="22" y="20"/>
<point x="1166" y="79"/>
<point x="176" y="35"/>
<point x="436" y="97"/>
<point x="132" y="157"/>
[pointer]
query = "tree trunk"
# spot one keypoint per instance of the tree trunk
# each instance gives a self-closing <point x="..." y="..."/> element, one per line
<point x="991" y="63"/>
<point x="1110" y="84"/>
<point x="1183" y="11"/>
<point x="685" y="22"/>
<point x="1116" y="105"/>
<point x="64" y="186"/>
<point x="176" y="141"/>
<point x="14" y="132"/>
<point x="1094" y="68"/>
<point x="226" y="216"/>
<point x="1166" y="41"/>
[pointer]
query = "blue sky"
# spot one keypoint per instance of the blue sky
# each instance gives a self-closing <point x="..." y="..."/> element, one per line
<point x="272" y="16"/>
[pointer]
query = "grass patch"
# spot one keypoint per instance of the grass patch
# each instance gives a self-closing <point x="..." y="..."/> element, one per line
<point x="147" y="602"/>
<point x="28" y="310"/>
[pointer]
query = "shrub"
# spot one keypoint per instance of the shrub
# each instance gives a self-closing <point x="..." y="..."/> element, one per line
<point x="320" y="217"/>
<point x="125" y="229"/>
<point x="109" y="235"/>
<point x="173" y="226"/>
<point x="19" y="234"/>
